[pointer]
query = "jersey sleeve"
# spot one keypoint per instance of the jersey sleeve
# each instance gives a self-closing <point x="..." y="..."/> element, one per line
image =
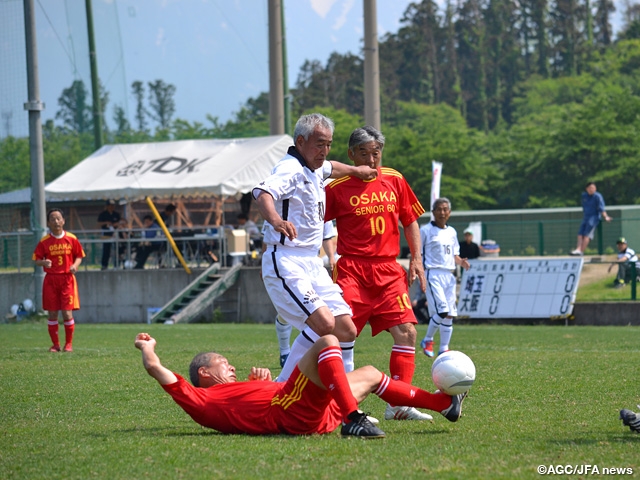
<point x="411" y="209"/>
<point x="282" y="181"/>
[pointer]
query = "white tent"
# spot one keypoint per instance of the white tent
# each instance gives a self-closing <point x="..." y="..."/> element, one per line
<point x="190" y="168"/>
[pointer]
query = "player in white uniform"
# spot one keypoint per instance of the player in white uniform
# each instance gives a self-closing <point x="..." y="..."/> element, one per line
<point x="283" y="329"/>
<point x="292" y="202"/>
<point x="440" y="255"/>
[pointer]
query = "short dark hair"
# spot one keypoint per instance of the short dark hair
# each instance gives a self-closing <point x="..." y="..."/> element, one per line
<point x="589" y="184"/>
<point x="54" y="210"/>
<point x="170" y="208"/>
<point x="147" y="217"/>
<point x="440" y="201"/>
<point x="200" y="360"/>
<point x="243" y="216"/>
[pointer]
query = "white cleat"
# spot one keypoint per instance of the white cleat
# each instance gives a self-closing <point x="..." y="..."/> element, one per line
<point x="405" y="413"/>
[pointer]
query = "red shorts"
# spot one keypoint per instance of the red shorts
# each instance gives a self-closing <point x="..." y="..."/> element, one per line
<point x="60" y="292"/>
<point x="304" y="408"/>
<point x="376" y="291"/>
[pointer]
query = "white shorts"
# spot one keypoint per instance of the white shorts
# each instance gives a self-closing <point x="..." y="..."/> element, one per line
<point x="298" y="284"/>
<point x="441" y="292"/>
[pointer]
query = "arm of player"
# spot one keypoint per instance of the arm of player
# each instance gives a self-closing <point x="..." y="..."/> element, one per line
<point x="75" y="265"/>
<point x="364" y="172"/>
<point x="267" y="208"/>
<point x="43" y="262"/>
<point x="260" y="374"/>
<point x="416" y="268"/>
<point x="463" y="262"/>
<point x="329" y="247"/>
<point x="147" y="345"/>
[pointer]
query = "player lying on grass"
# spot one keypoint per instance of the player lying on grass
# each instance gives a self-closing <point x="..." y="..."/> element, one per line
<point x="316" y="398"/>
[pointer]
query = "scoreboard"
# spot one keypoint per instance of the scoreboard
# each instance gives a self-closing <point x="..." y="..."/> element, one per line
<point x="542" y="288"/>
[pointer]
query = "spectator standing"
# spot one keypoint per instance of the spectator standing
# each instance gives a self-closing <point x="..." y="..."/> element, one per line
<point x="108" y="221"/>
<point x="592" y="209"/>
<point x="60" y="254"/>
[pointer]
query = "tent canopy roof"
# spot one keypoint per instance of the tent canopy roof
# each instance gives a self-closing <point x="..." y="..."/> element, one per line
<point x="190" y="168"/>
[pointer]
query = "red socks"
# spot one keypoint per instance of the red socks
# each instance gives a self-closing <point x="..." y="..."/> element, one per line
<point x="69" y="327"/>
<point x="53" y="332"/>
<point x="402" y="363"/>
<point x="396" y="392"/>
<point x="334" y="378"/>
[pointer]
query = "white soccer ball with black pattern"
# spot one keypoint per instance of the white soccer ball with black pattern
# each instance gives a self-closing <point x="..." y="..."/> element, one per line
<point x="453" y="372"/>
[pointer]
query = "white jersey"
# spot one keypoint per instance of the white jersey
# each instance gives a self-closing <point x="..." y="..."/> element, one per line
<point x="299" y="198"/>
<point x="439" y="246"/>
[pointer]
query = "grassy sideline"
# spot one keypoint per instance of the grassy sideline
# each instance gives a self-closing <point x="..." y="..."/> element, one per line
<point x="543" y="395"/>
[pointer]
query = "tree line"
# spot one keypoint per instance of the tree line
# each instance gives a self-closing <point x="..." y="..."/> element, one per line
<point x="523" y="102"/>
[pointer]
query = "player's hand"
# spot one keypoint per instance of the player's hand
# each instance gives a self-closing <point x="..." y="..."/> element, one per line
<point x="286" y="228"/>
<point x="365" y="172"/>
<point x="46" y="263"/>
<point x="465" y="264"/>
<point x="416" y="271"/>
<point x="260" y="374"/>
<point x="144" y="340"/>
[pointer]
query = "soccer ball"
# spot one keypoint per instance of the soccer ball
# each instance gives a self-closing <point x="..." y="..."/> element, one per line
<point x="453" y="372"/>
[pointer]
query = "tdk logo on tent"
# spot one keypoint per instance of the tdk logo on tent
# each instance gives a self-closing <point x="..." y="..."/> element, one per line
<point x="169" y="165"/>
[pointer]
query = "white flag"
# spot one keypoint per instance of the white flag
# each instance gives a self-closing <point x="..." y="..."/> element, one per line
<point x="436" y="172"/>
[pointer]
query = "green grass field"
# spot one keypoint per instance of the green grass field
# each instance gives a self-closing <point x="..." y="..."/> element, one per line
<point x="544" y="395"/>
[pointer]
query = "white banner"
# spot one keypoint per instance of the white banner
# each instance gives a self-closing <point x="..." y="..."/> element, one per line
<point x="436" y="175"/>
<point x="518" y="288"/>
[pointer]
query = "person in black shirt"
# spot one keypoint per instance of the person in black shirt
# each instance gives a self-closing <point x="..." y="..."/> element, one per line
<point x="469" y="249"/>
<point x="108" y="221"/>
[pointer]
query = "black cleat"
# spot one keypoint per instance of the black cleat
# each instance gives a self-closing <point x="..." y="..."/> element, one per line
<point x="360" y="426"/>
<point x="630" y="419"/>
<point x="455" y="409"/>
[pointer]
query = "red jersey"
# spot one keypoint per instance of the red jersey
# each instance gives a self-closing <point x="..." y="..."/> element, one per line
<point x="367" y="213"/>
<point x="61" y="251"/>
<point x="296" y="406"/>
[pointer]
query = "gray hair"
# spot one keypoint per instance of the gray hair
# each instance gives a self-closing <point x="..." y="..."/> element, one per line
<point x="363" y="135"/>
<point x="307" y="124"/>
<point x="439" y="201"/>
<point x="200" y="360"/>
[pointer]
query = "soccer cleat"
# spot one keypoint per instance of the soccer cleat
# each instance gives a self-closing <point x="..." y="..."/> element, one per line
<point x="630" y="419"/>
<point x="576" y="253"/>
<point x="455" y="409"/>
<point x="427" y="348"/>
<point x="283" y="359"/>
<point x="405" y="413"/>
<point x="373" y="420"/>
<point x="68" y="348"/>
<point x="360" y="426"/>
<point x="55" y="348"/>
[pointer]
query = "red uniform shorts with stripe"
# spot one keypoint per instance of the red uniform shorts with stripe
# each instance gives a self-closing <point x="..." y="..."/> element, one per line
<point x="303" y="407"/>
<point x="60" y="292"/>
<point x="377" y="292"/>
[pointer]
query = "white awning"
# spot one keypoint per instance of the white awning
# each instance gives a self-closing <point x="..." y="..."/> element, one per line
<point x="190" y="168"/>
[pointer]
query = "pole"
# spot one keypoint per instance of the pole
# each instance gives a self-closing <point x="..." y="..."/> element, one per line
<point x="285" y="75"/>
<point x="371" y="66"/>
<point x="35" y="106"/>
<point x="95" y="83"/>
<point x="276" y="90"/>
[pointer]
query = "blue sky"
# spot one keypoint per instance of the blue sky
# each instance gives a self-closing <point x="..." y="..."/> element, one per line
<point x="214" y="51"/>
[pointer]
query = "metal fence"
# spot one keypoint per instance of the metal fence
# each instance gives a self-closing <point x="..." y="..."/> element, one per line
<point x="200" y="246"/>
